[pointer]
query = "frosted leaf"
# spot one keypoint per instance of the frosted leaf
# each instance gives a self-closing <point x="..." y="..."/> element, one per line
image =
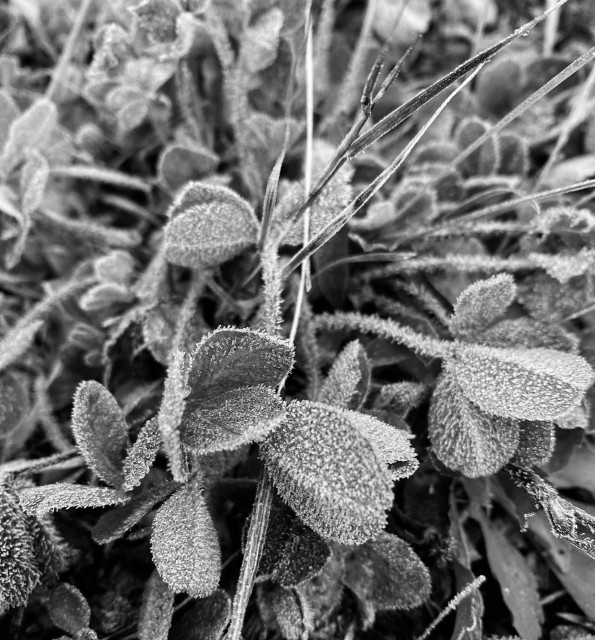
<point x="9" y="112"/>
<point x="387" y="574"/>
<point x="327" y="471"/>
<point x="514" y="155"/>
<point x="536" y="443"/>
<point x="346" y="385"/>
<point x="156" y="610"/>
<point x="530" y="384"/>
<point x="463" y="437"/>
<point x="116" y="522"/>
<point x="211" y="615"/>
<point x="158" y="19"/>
<point x="14" y="403"/>
<point x="100" y="431"/>
<point x="282" y="610"/>
<point x="485" y="160"/>
<point x="260" y="41"/>
<point x="19" y="573"/>
<point x="142" y="454"/>
<point x="184" y="543"/>
<point x="230" y="358"/>
<point x="529" y="334"/>
<point x="30" y="132"/>
<point x="208" y="225"/>
<point x="225" y="421"/>
<point x="112" y="47"/>
<point x="34" y="177"/>
<point x="329" y="204"/>
<point x="52" y="497"/>
<point x="116" y="267"/>
<point x="481" y="303"/>
<point x="52" y="553"/>
<point x="565" y="266"/>
<point x="181" y="163"/>
<point x="68" y="609"/>
<point x="400" y="397"/>
<point x="549" y="301"/>
<point x="104" y="295"/>
<point x="391" y="443"/>
<point x="292" y="552"/>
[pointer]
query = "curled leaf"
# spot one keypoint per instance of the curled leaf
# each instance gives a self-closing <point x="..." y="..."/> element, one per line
<point x="481" y="303"/>
<point x="463" y="437"/>
<point x="391" y="443"/>
<point x="100" y="431"/>
<point x="387" y="574"/>
<point x="531" y="384"/>
<point x="346" y="385"/>
<point x="184" y="543"/>
<point x="142" y="454"/>
<point x="208" y="225"/>
<point x="327" y="471"/>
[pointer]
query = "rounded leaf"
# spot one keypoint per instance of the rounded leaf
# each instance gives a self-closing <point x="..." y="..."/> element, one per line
<point x="536" y="443"/>
<point x="184" y="543"/>
<point x="530" y="384"/>
<point x="209" y="225"/>
<point x="328" y="472"/>
<point x="205" y="620"/>
<point x="463" y="437"/>
<point x="481" y="303"/>
<point x="387" y="574"/>
<point x="100" y="431"/>
<point x="68" y="608"/>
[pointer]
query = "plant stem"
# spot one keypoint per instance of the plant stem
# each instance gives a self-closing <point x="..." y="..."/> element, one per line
<point x="101" y="174"/>
<point x="73" y="37"/>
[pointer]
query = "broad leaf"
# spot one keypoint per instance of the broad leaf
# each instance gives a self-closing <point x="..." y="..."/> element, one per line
<point x="225" y="421"/>
<point x="536" y="443"/>
<point x="346" y="385"/>
<point x="531" y="384"/>
<point x="100" y="431"/>
<point x="261" y="40"/>
<point x="327" y="471"/>
<point x="181" y="163"/>
<point x="156" y="610"/>
<point x="205" y="620"/>
<point x="142" y="454"/>
<point x="292" y="552"/>
<point x="209" y="225"/>
<point x="52" y="497"/>
<point x="481" y="303"/>
<point x="386" y="574"/>
<point x="68" y="608"/>
<point x="230" y="358"/>
<point x="528" y="333"/>
<point x="184" y="543"/>
<point x="485" y="160"/>
<point x="463" y="437"/>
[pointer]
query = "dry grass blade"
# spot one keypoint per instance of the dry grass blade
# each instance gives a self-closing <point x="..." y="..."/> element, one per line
<point x="329" y="231"/>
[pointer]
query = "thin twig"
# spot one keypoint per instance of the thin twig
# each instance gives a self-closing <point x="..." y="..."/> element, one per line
<point x="101" y="174"/>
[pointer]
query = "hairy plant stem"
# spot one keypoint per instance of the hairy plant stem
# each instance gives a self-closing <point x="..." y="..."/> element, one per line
<point x="261" y="510"/>
<point x="101" y="174"/>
